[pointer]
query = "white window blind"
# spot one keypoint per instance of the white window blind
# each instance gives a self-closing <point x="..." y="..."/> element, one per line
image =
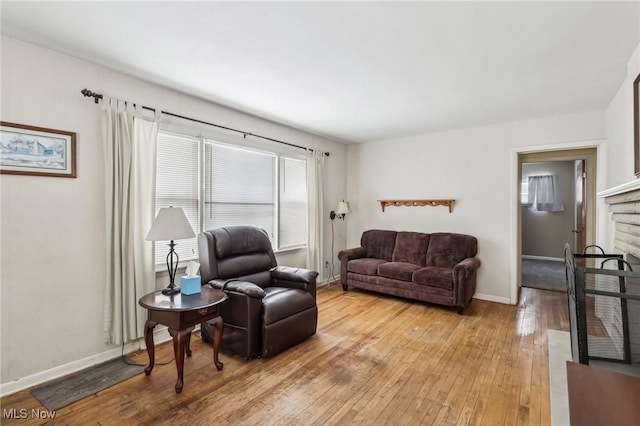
<point x="177" y="185"/>
<point x="231" y="185"/>
<point x="293" y="202"/>
<point x="239" y="188"/>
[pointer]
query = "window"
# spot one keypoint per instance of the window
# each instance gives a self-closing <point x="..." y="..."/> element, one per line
<point x="293" y="202"/>
<point x="524" y="191"/>
<point x="544" y="194"/>
<point x="219" y="185"/>
<point x="177" y="185"/>
<point x="239" y="188"/>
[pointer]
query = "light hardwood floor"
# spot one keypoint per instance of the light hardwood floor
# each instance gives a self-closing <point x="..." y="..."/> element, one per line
<point x="375" y="360"/>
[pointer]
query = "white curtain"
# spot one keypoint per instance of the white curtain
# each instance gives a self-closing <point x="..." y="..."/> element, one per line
<point x="130" y="172"/>
<point x="315" y="205"/>
<point x="544" y="194"/>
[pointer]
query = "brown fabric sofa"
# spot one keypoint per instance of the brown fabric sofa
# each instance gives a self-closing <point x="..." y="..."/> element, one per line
<point x="438" y="268"/>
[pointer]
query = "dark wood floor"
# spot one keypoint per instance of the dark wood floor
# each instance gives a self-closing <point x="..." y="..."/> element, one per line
<point x="375" y="360"/>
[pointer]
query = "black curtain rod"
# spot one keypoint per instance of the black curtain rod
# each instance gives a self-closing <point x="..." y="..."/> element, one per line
<point x="97" y="97"/>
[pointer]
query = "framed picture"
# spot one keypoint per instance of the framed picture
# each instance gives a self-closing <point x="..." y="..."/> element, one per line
<point x="636" y="125"/>
<point x="36" y="151"/>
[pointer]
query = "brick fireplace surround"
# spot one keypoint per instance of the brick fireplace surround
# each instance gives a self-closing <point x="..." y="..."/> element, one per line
<point x="624" y="207"/>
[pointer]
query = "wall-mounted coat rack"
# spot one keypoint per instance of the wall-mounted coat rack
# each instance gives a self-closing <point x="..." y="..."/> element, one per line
<point x="416" y="203"/>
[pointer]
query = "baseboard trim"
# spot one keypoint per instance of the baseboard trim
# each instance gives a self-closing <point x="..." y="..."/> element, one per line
<point x="492" y="298"/>
<point x="73" y="366"/>
<point x="526" y="256"/>
<point x="326" y="283"/>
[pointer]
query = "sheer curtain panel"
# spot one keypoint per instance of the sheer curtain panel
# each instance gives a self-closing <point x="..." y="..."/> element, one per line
<point x="130" y="171"/>
<point x="315" y="206"/>
<point x="544" y="194"/>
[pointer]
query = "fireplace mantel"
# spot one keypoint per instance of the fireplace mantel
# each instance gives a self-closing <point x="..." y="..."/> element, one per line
<point x="620" y="189"/>
<point x="624" y="206"/>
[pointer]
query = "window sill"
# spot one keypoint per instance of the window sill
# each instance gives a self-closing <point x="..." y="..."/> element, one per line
<point x="161" y="269"/>
<point x="290" y="250"/>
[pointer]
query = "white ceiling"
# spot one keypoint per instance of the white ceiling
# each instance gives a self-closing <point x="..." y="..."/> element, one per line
<point x="356" y="71"/>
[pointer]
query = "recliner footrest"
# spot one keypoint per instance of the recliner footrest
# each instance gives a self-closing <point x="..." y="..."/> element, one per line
<point x="281" y="303"/>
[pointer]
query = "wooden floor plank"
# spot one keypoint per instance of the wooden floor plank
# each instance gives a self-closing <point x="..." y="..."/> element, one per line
<point x="374" y="360"/>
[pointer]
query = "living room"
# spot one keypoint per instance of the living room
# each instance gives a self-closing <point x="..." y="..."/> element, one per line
<point x="53" y="230"/>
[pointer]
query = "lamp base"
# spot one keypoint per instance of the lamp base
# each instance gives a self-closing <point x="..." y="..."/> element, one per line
<point x="171" y="291"/>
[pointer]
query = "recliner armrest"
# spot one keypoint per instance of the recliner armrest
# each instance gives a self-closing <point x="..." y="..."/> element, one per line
<point x="288" y="273"/>
<point x="286" y="276"/>
<point x="243" y="287"/>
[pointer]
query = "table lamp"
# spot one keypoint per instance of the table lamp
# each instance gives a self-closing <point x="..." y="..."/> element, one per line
<point x="171" y="224"/>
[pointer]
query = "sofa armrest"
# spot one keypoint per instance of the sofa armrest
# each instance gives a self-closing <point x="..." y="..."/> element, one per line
<point x="286" y="276"/>
<point x="345" y="256"/>
<point x="352" y="253"/>
<point x="237" y="286"/>
<point x="465" y="268"/>
<point x="464" y="282"/>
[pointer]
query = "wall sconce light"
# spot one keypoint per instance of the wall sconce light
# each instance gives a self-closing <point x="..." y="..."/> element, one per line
<point x="340" y="211"/>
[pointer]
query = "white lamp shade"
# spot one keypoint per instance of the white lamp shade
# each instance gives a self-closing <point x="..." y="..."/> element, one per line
<point x="343" y="208"/>
<point x="170" y="224"/>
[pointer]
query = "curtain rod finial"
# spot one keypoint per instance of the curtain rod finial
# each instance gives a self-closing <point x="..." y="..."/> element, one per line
<point x="89" y="94"/>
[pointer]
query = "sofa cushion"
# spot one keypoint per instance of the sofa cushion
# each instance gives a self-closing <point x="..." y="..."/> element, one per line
<point x="411" y="247"/>
<point x="447" y="249"/>
<point x="397" y="270"/>
<point x="378" y="244"/>
<point x="365" y="266"/>
<point x="434" y="276"/>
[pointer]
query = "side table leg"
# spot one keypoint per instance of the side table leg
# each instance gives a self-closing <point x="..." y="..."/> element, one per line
<point x="151" y="349"/>
<point x="179" y="341"/>
<point x="217" y="341"/>
<point x="188" y="346"/>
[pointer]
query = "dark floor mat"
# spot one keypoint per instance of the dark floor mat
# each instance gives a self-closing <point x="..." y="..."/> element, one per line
<point x="544" y="274"/>
<point x="66" y="390"/>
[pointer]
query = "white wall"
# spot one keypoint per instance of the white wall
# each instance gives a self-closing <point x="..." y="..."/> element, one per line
<point x="619" y="131"/>
<point x="619" y="127"/>
<point x="473" y="166"/>
<point x="53" y="236"/>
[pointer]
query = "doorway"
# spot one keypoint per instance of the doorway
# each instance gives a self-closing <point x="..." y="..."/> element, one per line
<point x="543" y="232"/>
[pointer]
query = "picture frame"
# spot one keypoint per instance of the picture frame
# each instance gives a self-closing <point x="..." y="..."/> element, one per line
<point x="36" y="151"/>
<point x="636" y="125"/>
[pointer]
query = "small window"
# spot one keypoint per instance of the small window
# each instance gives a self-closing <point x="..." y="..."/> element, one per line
<point x="524" y="191"/>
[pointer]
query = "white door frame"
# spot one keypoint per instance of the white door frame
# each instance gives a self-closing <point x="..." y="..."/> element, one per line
<point x="516" y="242"/>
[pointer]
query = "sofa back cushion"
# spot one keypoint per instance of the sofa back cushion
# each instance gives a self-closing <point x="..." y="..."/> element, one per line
<point x="411" y="247"/>
<point x="378" y="244"/>
<point x="447" y="249"/>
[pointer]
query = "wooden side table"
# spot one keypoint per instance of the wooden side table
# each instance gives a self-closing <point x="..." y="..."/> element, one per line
<point x="180" y="313"/>
<point x="602" y="397"/>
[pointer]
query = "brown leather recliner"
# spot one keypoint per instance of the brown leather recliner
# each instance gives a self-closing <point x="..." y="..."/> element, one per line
<point x="270" y="308"/>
